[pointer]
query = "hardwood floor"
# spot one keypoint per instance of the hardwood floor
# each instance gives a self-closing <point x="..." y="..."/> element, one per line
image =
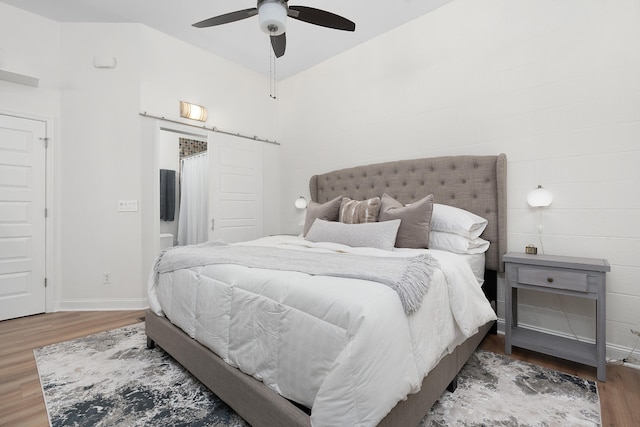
<point x="22" y="404"/>
<point x="21" y="401"/>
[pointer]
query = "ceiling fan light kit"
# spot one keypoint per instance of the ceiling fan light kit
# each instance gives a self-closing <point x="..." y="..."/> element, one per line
<point x="273" y="17"/>
<point x="273" y="20"/>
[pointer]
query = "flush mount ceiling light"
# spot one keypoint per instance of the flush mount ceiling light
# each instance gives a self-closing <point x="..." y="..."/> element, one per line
<point x="193" y="111"/>
<point x="273" y="17"/>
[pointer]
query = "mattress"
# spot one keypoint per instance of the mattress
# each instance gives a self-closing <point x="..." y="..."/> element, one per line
<point x="341" y="346"/>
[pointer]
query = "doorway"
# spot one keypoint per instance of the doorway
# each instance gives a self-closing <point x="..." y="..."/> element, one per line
<point x="178" y="199"/>
<point x="234" y="182"/>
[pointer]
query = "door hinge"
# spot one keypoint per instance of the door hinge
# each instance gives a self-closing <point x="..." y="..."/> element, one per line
<point x="46" y="141"/>
<point x="45" y="282"/>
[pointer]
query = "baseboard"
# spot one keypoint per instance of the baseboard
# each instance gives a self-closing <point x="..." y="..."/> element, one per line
<point x="102" y="304"/>
<point x="632" y="365"/>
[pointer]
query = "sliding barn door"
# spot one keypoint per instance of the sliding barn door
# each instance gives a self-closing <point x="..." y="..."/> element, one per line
<point x="235" y="204"/>
<point x="22" y="217"/>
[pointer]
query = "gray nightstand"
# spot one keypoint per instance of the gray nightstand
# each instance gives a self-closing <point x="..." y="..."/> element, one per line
<point x="579" y="277"/>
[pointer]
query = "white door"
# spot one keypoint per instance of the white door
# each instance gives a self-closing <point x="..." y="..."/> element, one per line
<point x="235" y="204"/>
<point x="22" y="217"/>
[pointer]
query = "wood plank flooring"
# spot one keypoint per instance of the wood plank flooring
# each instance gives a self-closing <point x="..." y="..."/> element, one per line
<point x="22" y="404"/>
<point x="21" y="401"/>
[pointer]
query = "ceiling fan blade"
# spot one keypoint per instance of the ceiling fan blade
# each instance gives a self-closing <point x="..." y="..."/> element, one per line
<point x="321" y="17"/>
<point x="279" y="43"/>
<point x="227" y="17"/>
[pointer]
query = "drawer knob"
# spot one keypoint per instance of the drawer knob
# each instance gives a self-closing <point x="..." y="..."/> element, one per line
<point x="550" y="279"/>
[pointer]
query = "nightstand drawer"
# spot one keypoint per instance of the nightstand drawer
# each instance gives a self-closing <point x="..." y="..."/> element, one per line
<point x="553" y="279"/>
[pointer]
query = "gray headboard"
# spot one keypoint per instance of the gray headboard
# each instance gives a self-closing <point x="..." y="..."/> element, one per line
<point x="474" y="183"/>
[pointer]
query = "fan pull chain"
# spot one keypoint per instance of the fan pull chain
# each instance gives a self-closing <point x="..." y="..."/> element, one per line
<point x="272" y="73"/>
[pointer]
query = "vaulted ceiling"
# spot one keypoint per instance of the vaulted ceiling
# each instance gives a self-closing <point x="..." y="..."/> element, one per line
<point x="243" y="42"/>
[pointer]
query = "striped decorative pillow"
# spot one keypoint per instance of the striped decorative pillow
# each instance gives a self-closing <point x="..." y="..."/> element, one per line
<point x="358" y="212"/>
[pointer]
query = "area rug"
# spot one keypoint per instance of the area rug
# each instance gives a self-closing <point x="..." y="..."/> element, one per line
<point x="112" y="379"/>
<point x="496" y="390"/>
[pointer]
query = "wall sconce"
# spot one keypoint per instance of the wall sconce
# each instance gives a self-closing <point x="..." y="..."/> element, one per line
<point x="538" y="198"/>
<point x="301" y="203"/>
<point x="193" y="111"/>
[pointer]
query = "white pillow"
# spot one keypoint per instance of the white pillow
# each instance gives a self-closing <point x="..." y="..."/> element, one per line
<point x="381" y="235"/>
<point x="455" y="220"/>
<point x="456" y="243"/>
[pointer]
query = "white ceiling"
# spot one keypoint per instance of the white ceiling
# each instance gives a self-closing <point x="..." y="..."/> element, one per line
<point x="242" y="41"/>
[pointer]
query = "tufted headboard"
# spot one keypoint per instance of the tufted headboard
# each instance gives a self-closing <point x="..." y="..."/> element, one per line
<point x="474" y="183"/>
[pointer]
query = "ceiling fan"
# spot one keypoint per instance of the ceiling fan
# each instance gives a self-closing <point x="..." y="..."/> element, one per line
<point x="273" y="20"/>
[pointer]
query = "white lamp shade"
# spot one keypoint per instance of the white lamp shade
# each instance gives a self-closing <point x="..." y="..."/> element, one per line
<point x="301" y="203"/>
<point x="539" y="197"/>
<point x="273" y="18"/>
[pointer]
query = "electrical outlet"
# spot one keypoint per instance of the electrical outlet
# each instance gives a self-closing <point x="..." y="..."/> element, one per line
<point x="106" y="278"/>
<point x="635" y="332"/>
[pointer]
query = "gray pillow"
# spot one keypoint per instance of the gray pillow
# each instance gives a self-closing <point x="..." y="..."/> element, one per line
<point x="357" y="212"/>
<point x="416" y="220"/>
<point x="381" y="235"/>
<point x="329" y="211"/>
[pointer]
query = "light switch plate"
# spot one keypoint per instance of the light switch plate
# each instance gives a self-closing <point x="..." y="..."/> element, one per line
<point x="127" y="206"/>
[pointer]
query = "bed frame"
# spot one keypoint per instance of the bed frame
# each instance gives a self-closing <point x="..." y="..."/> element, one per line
<point x="474" y="183"/>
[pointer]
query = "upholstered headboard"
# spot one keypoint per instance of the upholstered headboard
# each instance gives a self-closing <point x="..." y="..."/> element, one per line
<point x="474" y="183"/>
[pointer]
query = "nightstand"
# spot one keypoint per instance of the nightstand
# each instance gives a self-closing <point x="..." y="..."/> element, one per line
<point x="578" y="277"/>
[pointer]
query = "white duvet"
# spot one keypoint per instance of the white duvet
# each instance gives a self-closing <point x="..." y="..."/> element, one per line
<point x="343" y="347"/>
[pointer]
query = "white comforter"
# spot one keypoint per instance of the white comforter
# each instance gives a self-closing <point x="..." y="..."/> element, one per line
<point x="344" y="347"/>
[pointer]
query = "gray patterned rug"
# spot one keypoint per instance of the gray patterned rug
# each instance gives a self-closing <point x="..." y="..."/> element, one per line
<point x="111" y="379"/>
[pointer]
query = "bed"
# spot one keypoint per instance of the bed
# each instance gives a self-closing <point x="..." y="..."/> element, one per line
<point x="472" y="183"/>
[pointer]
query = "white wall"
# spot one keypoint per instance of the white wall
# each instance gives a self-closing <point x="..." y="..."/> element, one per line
<point x="236" y="98"/>
<point x="105" y="151"/>
<point x="22" y="32"/>
<point x="554" y="85"/>
<point x="100" y="164"/>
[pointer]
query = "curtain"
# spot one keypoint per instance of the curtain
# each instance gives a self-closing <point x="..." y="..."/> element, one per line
<point x="194" y="200"/>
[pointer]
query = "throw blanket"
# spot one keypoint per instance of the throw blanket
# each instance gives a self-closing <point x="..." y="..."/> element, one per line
<point x="409" y="277"/>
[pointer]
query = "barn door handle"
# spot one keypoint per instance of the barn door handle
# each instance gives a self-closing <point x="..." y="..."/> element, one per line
<point x="213" y="224"/>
